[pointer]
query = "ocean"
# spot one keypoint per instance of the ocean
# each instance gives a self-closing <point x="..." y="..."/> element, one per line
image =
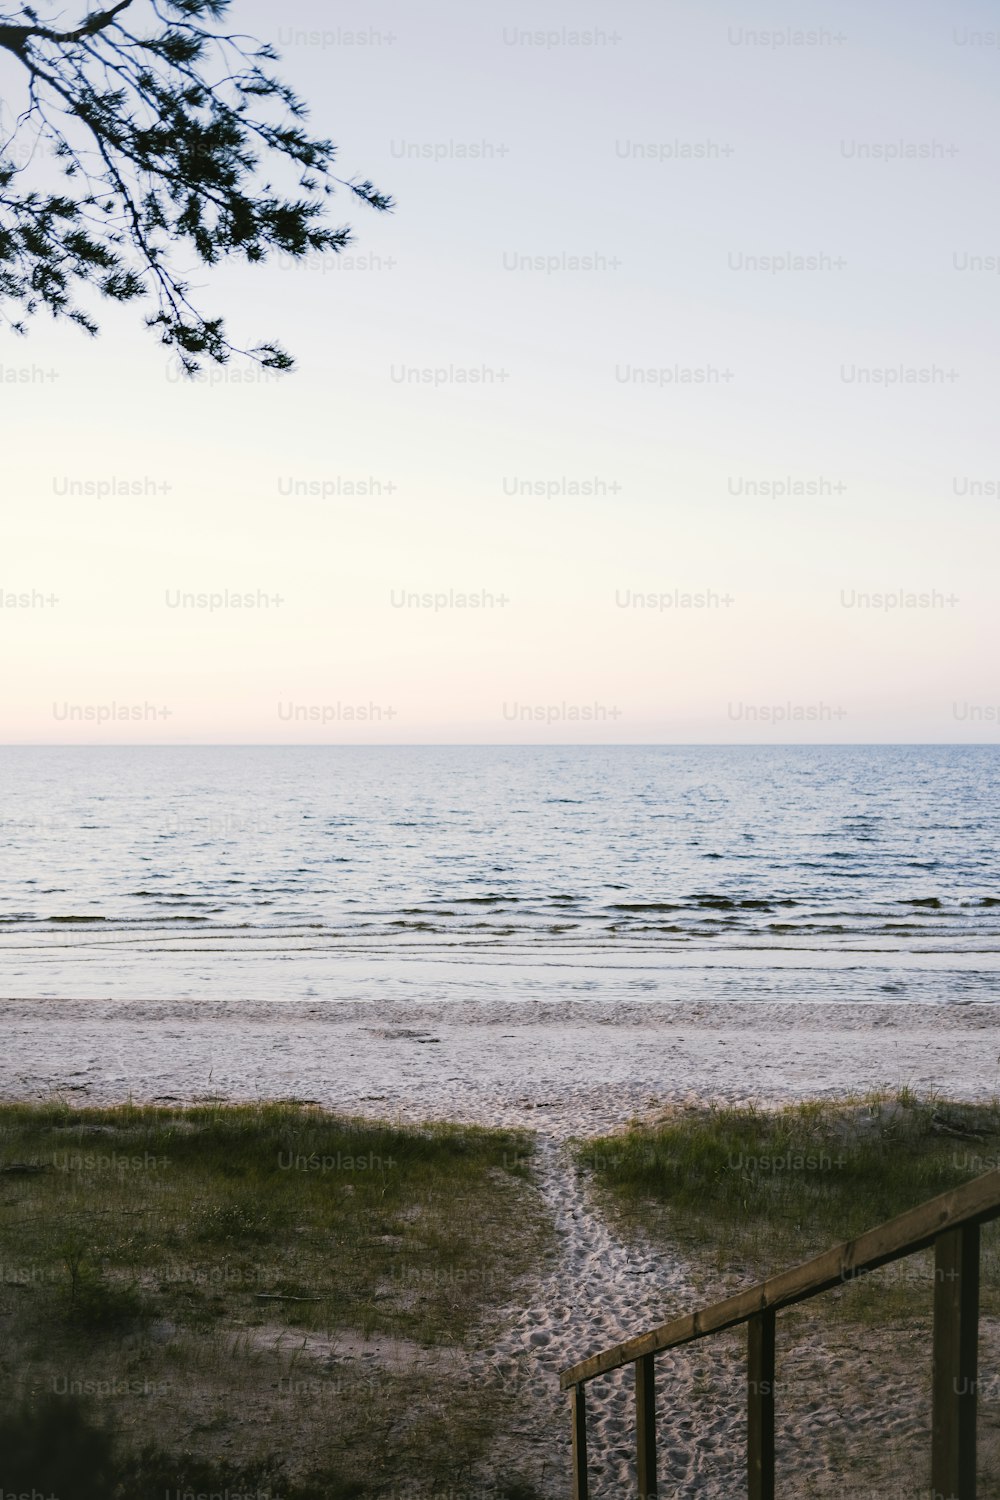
<point x="334" y="873"/>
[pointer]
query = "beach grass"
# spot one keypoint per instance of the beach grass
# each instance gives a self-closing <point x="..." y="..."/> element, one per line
<point x="263" y="1297"/>
<point x="754" y="1190"/>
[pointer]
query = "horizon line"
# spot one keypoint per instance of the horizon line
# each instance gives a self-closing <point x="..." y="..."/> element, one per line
<point x="497" y="744"/>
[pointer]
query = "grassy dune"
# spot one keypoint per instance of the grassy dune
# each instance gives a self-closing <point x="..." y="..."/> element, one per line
<point x="277" y="1301"/>
<point x="753" y="1190"/>
<point x="263" y="1298"/>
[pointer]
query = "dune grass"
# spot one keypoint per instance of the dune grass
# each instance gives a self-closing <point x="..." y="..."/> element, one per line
<point x="758" y="1189"/>
<point x="267" y="1295"/>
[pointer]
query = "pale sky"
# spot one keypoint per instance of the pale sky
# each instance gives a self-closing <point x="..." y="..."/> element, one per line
<point x="647" y="173"/>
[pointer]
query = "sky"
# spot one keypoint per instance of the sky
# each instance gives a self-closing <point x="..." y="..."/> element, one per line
<point x="662" y="409"/>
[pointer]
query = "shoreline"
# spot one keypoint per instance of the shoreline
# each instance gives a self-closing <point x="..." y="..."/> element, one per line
<point x="283" y="976"/>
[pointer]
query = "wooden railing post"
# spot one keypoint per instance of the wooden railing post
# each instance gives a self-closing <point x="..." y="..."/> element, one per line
<point x="956" y="1357"/>
<point x="578" y="1407"/>
<point x="760" y="1406"/>
<point x="645" y="1425"/>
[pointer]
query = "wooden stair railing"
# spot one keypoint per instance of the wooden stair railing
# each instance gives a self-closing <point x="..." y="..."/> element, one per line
<point x="950" y="1223"/>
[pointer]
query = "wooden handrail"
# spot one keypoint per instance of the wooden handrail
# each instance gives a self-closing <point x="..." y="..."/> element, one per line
<point x="974" y="1202"/>
<point x="949" y="1222"/>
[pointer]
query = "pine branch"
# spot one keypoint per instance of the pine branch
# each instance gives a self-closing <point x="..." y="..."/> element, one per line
<point x="158" y="153"/>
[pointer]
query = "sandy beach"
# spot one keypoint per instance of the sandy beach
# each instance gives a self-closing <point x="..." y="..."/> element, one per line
<point x="562" y="1070"/>
<point x="565" y="1068"/>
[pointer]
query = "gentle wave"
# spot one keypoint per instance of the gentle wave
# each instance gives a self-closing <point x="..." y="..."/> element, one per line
<point x="548" y="851"/>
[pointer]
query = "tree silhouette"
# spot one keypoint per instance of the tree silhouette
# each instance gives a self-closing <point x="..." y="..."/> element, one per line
<point x="164" y="132"/>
